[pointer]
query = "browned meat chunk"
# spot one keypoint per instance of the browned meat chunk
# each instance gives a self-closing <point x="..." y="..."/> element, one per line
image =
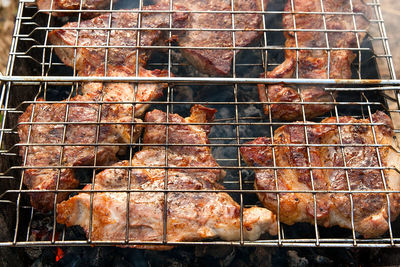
<point x="190" y="215"/>
<point x="83" y="129"/>
<point x="60" y="5"/>
<point x="114" y="92"/>
<point x="90" y="61"/>
<point x="93" y="44"/>
<point x="217" y="61"/>
<point x="359" y="154"/>
<point x="314" y="63"/>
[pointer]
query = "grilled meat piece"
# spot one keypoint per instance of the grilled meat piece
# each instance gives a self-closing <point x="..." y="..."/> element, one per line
<point x="190" y="215"/>
<point x="84" y="130"/>
<point x="90" y="61"/>
<point x="314" y="63"/>
<point x="358" y="153"/>
<point x="93" y="44"/>
<point x="128" y="92"/>
<point x="73" y="5"/>
<point x="213" y="61"/>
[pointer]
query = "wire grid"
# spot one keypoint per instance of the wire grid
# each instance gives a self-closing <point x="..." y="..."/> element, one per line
<point x="239" y="119"/>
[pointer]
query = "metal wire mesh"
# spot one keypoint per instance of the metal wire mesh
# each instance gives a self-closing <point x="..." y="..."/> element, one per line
<point x="34" y="71"/>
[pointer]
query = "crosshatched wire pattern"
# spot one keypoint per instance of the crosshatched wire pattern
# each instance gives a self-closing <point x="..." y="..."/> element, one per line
<point x="84" y="112"/>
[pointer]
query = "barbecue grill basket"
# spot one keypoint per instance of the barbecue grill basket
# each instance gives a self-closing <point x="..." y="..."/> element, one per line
<point x="34" y="71"/>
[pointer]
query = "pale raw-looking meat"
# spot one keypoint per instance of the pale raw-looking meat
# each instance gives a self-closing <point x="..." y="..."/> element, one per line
<point x="122" y="118"/>
<point x="314" y="63"/>
<point x="190" y="215"/>
<point x="371" y="210"/>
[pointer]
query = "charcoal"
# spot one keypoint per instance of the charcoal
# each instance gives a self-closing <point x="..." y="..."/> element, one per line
<point x="295" y="260"/>
<point x="47" y="258"/>
<point x="34" y="252"/>
<point x="135" y="257"/>
<point x="120" y="261"/>
<point x="261" y="256"/>
<point x="322" y="260"/>
<point x="100" y="256"/>
<point x="70" y="260"/>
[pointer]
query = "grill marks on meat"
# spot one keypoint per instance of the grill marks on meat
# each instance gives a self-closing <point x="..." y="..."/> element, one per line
<point x="86" y="124"/>
<point x="190" y="215"/>
<point x="370" y="209"/>
<point x="91" y="45"/>
<point x="314" y="63"/>
<point x="217" y="61"/>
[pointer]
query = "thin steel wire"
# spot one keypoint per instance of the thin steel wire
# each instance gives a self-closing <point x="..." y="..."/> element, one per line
<point x="238" y="121"/>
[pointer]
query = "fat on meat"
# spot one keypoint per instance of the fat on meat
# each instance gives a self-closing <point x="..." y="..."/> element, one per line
<point x="191" y="216"/>
<point x="50" y="144"/>
<point x="331" y="148"/>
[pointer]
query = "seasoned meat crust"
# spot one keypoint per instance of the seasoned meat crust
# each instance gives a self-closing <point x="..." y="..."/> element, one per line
<point x="84" y="129"/>
<point x="370" y="209"/>
<point x="213" y="61"/>
<point x="92" y="44"/>
<point x="190" y="215"/>
<point x="90" y="61"/>
<point x="74" y="5"/>
<point x="314" y="63"/>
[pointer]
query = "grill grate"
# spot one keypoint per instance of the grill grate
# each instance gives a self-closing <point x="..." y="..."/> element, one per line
<point x="34" y="71"/>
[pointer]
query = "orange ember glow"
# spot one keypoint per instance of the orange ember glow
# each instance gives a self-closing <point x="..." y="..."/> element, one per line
<point x="60" y="254"/>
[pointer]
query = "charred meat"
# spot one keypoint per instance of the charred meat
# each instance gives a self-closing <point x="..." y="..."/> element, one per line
<point x="332" y="148"/>
<point x="190" y="215"/>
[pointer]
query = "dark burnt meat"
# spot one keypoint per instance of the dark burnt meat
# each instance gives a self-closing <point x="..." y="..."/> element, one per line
<point x="190" y="215"/>
<point x="370" y="209"/>
<point x="314" y="63"/>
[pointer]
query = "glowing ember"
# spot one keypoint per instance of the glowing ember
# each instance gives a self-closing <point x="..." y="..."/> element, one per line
<point x="60" y="254"/>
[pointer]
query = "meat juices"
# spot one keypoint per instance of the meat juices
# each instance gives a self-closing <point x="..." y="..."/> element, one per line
<point x="370" y="209"/>
<point x="190" y="215"/>
<point x="314" y="63"/>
